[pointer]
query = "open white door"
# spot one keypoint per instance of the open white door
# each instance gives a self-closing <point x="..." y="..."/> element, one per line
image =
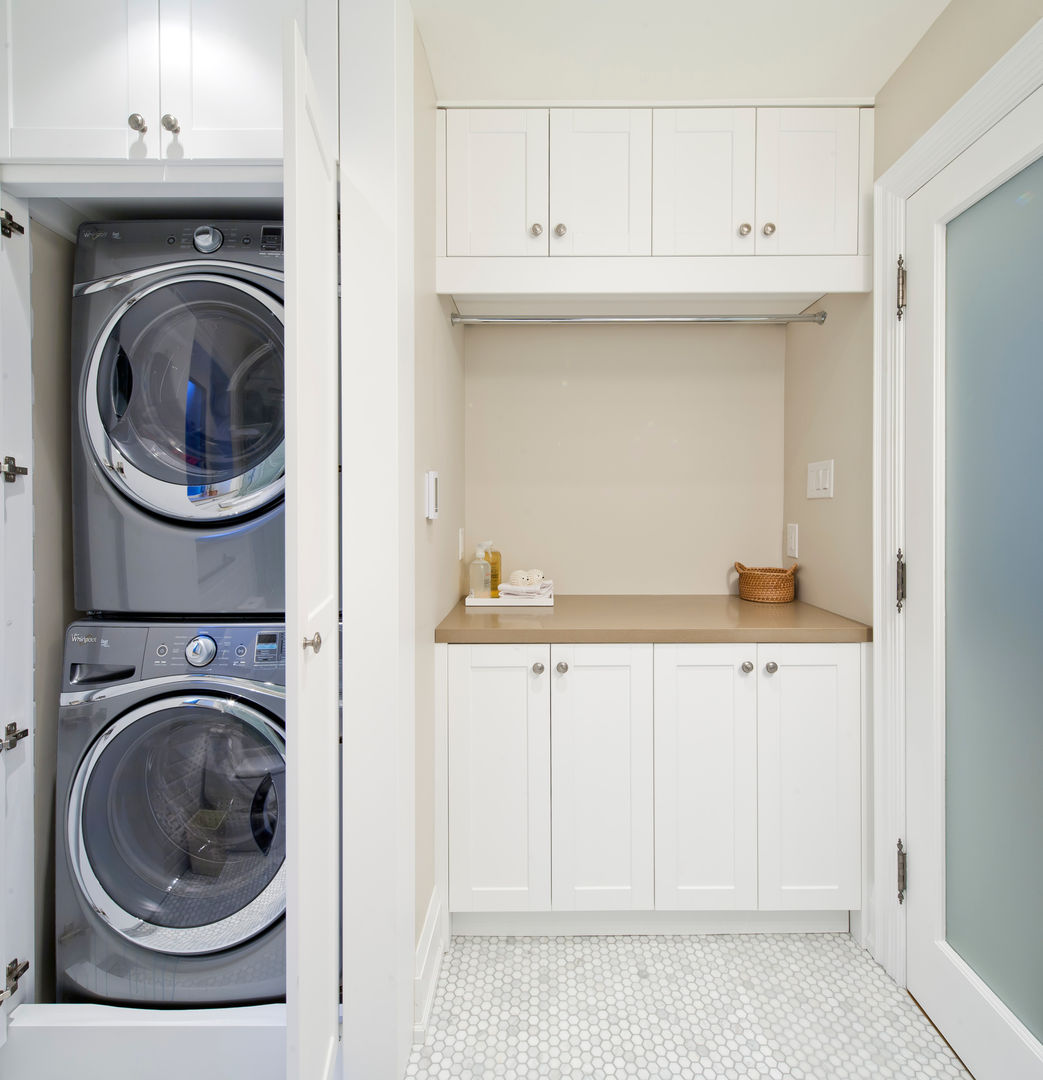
<point x="312" y="582"/>
<point x="16" y="622"/>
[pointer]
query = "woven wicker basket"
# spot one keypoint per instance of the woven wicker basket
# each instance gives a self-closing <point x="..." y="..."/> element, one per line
<point x="766" y="584"/>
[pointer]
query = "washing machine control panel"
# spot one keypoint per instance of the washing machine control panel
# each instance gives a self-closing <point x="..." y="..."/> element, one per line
<point x="201" y="650"/>
<point x="254" y="652"/>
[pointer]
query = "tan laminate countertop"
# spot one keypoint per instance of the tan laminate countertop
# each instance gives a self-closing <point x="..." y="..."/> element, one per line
<point x="660" y="619"/>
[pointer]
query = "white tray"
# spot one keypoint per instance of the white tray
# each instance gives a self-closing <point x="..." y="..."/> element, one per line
<point x="509" y="601"/>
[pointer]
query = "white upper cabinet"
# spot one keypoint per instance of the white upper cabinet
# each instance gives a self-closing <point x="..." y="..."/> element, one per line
<point x="497" y="181"/>
<point x="703" y="189"/>
<point x="144" y="79"/>
<point x="600" y="181"/>
<point x="807" y="181"/>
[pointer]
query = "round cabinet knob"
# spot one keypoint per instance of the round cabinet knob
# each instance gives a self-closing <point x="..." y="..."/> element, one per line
<point x="314" y="642"/>
<point x="170" y="122"/>
<point x="560" y="230"/>
<point x="136" y="122"/>
<point x="769" y="228"/>
<point x="537" y="668"/>
<point x="207" y="239"/>
<point x="771" y="667"/>
<point x="745" y="229"/>
<point x="201" y="650"/>
<point x="747" y="666"/>
<point x="562" y="667"/>
<point x="537" y="229"/>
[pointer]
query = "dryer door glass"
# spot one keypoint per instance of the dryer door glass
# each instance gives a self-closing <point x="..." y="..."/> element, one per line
<point x="184" y="397"/>
<point x="179" y="818"/>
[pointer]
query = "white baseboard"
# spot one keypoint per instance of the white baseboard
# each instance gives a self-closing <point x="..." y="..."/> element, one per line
<point x="555" y="923"/>
<point x="429" y="952"/>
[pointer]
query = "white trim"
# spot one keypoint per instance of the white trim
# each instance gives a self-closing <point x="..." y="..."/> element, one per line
<point x="862" y="920"/>
<point x="585" y="923"/>
<point x="1005" y="85"/>
<point x="693" y="103"/>
<point x="430" y="951"/>
<point x="441" y="754"/>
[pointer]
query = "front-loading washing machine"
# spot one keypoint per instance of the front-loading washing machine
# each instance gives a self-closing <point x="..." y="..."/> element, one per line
<point x="170" y="878"/>
<point x="177" y="418"/>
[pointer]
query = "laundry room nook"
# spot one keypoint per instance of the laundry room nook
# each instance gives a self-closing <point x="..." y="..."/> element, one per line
<point x="684" y="773"/>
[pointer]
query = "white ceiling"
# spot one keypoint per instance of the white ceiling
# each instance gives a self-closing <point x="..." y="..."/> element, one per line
<point x="667" y="50"/>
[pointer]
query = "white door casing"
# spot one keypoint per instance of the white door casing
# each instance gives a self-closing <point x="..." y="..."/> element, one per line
<point x="16" y="626"/>
<point x="703" y="184"/>
<point x="600" y="182"/>
<point x="499" y="776"/>
<point x="312" y="574"/>
<point x="601" y="777"/>
<point x="984" y="1032"/>
<point x="705" y="777"/>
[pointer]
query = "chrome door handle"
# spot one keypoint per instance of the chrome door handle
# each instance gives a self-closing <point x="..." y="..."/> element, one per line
<point x="562" y="667"/>
<point x="769" y="229"/>
<point x="747" y="666"/>
<point x="771" y="667"/>
<point x="170" y="122"/>
<point x="745" y="229"/>
<point x="136" y="122"/>
<point x="537" y="668"/>
<point x="537" y="229"/>
<point x="314" y="642"/>
<point x="560" y="230"/>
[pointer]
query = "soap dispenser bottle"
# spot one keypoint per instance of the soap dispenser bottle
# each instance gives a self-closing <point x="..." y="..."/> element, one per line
<point x="495" y="563"/>
<point x="481" y="575"/>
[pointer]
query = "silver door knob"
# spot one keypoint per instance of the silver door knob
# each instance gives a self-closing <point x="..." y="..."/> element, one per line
<point x="562" y="667"/>
<point x="537" y="229"/>
<point x="747" y="666"/>
<point x="314" y="642"/>
<point x="136" y="122"/>
<point x="769" y="228"/>
<point x="560" y="230"/>
<point x="771" y="667"/>
<point x="745" y="229"/>
<point x="170" y="122"/>
<point x="537" y="668"/>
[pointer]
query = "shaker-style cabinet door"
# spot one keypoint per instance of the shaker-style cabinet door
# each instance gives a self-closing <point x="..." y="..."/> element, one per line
<point x="809" y="777"/>
<point x="705" y="777"/>
<point x="496" y="181"/>
<point x="499" y="778"/>
<point x="600" y="181"/>
<point x="807" y="181"/>
<point x="601" y="784"/>
<point x="81" y="79"/>
<point x="703" y="185"/>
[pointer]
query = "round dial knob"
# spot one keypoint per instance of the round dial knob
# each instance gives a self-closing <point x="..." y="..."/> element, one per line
<point x="206" y="239"/>
<point x="201" y="650"/>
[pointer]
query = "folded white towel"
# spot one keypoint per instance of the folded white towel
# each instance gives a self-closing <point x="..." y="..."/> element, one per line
<point x="544" y="588"/>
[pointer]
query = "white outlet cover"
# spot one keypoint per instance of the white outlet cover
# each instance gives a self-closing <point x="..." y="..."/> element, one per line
<point x="791" y="541"/>
<point x="820" y="479"/>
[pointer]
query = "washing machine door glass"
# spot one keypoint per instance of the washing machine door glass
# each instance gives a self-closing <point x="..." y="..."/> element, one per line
<point x="177" y="825"/>
<point x="183" y="399"/>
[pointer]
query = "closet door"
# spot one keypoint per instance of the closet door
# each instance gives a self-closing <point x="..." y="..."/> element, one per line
<point x="601" y="181"/>
<point x="601" y="778"/>
<point x="496" y="182"/>
<point x="312" y="578"/>
<point x="703" y="183"/>
<point x="74" y="73"/>
<point x="807" y="182"/>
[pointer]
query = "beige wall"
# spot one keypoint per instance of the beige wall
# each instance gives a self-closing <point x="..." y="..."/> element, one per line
<point x="50" y="290"/>
<point x="962" y="44"/>
<point x="626" y="459"/>
<point x="439" y="446"/>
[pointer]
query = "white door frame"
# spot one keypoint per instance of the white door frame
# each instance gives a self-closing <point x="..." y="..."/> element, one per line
<point x="1005" y="85"/>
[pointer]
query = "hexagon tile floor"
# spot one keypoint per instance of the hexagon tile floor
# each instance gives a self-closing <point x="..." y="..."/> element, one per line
<point x="727" y="1007"/>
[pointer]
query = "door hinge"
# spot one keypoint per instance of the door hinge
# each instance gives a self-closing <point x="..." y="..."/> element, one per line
<point x="900" y="290"/>
<point x="10" y="469"/>
<point x="15" y="970"/>
<point x="900" y="579"/>
<point x="8" y="225"/>
<point x="12" y="737"/>
<point x="901" y="873"/>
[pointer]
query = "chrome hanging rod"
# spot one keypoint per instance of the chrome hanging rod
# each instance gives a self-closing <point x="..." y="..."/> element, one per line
<point x="818" y="317"/>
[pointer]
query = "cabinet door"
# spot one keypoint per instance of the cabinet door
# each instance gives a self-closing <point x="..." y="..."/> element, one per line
<point x="807" y="182"/>
<point x="601" y="181"/>
<point x="499" y="777"/>
<point x="809" y="777"/>
<point x="703" y="181"/>
<point x="705" y="777"/>
<point x="219" y="76"/>
<point x="602" y="777"/>
<point x="496" y="182"/>
<point x="76" y="72"/>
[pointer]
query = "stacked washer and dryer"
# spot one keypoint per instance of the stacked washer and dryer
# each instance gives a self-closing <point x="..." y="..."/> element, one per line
<point x="171" y="778"/>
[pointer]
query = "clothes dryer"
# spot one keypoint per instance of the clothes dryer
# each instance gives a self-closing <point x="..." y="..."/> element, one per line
<point x="170" y="878"/>
<point x="177" y="417"/>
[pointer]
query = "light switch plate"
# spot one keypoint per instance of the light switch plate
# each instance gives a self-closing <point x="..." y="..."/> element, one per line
<point x="791" y="541"/>
<point x="820" y="479"/>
